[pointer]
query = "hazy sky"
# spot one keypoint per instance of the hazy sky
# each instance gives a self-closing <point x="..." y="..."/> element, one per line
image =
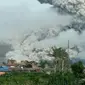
<point x="19" y="15"/>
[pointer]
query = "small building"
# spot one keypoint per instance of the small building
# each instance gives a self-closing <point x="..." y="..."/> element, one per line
<point x="29" y="66"/>
<point x="11" y="62"/>
<point x="4" y="68"/>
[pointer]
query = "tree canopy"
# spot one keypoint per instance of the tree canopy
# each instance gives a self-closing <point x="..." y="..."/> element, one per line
<point x="77" y="68"/>
<point x="59" y="52"/>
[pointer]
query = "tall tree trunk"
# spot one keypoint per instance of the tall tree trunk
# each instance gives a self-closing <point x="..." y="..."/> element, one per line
<point x="62" y="65"/>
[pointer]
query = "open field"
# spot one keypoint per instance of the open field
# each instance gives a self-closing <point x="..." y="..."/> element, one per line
<point x="25" y="78"/>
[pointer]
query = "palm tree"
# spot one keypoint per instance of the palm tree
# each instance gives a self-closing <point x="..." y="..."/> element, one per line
<point x="61" y="58"/>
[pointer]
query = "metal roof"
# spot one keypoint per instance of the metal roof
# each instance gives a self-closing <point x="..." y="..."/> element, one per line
<point x="4" y="68"/>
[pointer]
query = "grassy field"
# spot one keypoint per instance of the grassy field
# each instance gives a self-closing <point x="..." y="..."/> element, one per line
<point x="25" y="78"/>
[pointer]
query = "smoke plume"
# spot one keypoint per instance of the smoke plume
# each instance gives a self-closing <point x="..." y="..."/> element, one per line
<point x="32" y="28"/>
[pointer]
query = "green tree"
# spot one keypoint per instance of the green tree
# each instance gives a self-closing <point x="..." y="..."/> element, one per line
<point x="59" y="52"/>
<point x="43" y="63"/>
<point x="65" y="79"/>
<point x="61" y="58"/>
<point x="77" y="69"/>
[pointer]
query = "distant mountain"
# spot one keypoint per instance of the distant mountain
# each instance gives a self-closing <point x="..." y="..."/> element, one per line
<point x="4" y="48"/>
<point x="74" y="60"/>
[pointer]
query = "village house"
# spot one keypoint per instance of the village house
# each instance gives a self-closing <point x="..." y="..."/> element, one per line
<point x="29" y="65"/>
<point x="24" y="65"/>
<point x="11" y="64"/>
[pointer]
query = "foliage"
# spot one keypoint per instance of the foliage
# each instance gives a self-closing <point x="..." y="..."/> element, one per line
<point x="26" y="78"/>
<point x="59" y="52"/>
<point x="77" y="69"/>
<point x="23" y="78"/>
<point x="61" y="61"/>
<point x="43" y="63"/>
<point x="63" y="79"/>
